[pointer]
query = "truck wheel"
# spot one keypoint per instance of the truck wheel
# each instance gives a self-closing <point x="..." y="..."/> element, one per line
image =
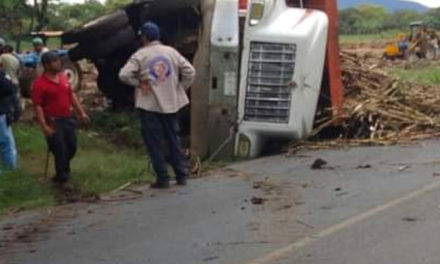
<point x="97" y="29"/>
<point x="104" y="47"/>
<point x="73" y="72"/>
<point x="121" y="39"/>
<point x="121" y="95"/>
<point x="77" y="53"/>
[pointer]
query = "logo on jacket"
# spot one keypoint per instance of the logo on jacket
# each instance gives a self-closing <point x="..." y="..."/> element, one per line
<point x="159" y="69"/>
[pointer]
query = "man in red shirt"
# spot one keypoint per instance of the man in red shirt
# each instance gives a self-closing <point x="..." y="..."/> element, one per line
<point x="53" y="100"/>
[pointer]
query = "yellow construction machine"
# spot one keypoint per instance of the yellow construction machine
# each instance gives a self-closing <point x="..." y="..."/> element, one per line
<point x="422" y="42"/>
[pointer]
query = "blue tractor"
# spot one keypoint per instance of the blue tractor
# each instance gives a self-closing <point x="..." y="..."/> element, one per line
<point x="30" y="60"/>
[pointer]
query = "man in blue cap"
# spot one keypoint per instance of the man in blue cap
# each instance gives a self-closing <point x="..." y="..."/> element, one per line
<point x="159" y="95"/>
<point x="40" y="49"/>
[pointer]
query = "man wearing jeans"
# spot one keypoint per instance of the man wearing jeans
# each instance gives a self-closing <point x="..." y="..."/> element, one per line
<point x="53" y="100"/>
<point x="8" y="112"/>
<point x="154" y="70"/>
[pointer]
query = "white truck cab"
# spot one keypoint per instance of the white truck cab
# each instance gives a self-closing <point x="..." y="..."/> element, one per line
<point x="282" y="67"/>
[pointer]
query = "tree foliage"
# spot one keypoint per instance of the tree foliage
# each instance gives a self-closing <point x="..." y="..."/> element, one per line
<point x="112" y="5"/>
<point x="23" y="16"/>
<point x="13" y="14"/>
<point x="373" y="18"/>
<point x="65" y="16"/>
<point x="40" y="13"/>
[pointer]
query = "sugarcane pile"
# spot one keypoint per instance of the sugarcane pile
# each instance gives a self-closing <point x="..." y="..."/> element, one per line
<point x="379" y="109"/>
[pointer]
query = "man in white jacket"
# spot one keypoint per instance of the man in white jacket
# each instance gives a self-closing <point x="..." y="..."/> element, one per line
<point x="154" y="71"/>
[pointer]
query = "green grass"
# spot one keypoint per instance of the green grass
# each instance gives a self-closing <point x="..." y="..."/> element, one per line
<point x="361" y="38"/>
<point x="100" y="166"/>
<point x="429" y="75"/>
<point x="19" y="189"/>
<point x="97" y="171"/>
<point x="119" y="127"/>
<point x="111" y="153"/>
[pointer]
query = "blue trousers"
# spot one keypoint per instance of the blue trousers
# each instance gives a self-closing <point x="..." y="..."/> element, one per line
<point x="160" y="134"/>
<point x="7" y="144"/>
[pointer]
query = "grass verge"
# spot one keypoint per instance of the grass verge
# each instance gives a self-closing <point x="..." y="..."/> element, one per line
<point x="99" y="167"/>
<point x="429" y="75"/>
<point x="360" y="38"/>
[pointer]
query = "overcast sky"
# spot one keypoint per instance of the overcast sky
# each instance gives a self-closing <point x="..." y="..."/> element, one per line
<point x="428" y="3"/>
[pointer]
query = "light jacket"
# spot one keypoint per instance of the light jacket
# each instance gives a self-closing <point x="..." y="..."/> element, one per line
<point x="161" y="66"/>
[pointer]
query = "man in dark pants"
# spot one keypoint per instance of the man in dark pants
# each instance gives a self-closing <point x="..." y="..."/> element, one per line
<point x="154" y="70"/>
<point x="53" y="100"/>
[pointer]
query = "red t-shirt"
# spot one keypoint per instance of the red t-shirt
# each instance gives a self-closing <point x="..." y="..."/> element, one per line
<point x="55" y="98"/>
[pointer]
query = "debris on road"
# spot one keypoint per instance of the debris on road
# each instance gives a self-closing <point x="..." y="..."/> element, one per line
<point x="6" y="228"/>
<point x="319" y="164"/>
<point x="342" y="194"/>
<point x="258" y="200"/>
<point x="210" y="258"/>
<point x="363" y="167"/>
<point x="379" y="109"/>
<point x="304" y="224"/>
<point x="404" y="168"/>
<point x="409" y="219"/>
<point x="256" y="185"/>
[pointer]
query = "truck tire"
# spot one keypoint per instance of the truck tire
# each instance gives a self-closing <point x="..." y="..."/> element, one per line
<point x="121" y="95"/>
<point x="104" y="47"/>
<point x="97" y="29"/>
<point x="77" y="53"/>
<point x="73" y="72"/>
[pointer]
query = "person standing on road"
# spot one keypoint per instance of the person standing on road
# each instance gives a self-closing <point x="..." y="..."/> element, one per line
<point x="40" y="49"/>
<point x="154" y="70"/>
<point x="53" y="99"/>
<point x="8" y="112"/>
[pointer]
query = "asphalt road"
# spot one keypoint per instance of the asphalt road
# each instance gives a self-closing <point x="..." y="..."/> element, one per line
<point x="367" y="205"/>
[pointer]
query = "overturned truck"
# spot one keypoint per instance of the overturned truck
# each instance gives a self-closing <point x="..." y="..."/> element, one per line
<point x="265" y="68"/>
<point x="109" y="41"/>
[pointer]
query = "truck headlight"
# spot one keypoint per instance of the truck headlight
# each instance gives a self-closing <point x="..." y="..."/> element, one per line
<point x="256" y="12"/>
<point x="244" y="147"/>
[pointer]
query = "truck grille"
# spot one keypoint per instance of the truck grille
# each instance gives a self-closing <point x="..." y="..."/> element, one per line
<point x="271" y="67"/>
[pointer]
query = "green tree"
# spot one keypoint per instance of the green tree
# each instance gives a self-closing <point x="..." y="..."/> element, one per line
<point x="402" y="18"/>
<point x="13" y="14"/>
<point x="112" y="5"/>
<point x="363" y="19"/>
<point x="373" y="18"/>
<point x="349" y="21"/>
<point x="432" y="18"/>
<point x="41" y="8"/>
<point x="65" y="16"/>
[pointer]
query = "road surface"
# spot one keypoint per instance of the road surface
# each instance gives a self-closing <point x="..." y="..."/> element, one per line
<point x="367" y="205"/>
